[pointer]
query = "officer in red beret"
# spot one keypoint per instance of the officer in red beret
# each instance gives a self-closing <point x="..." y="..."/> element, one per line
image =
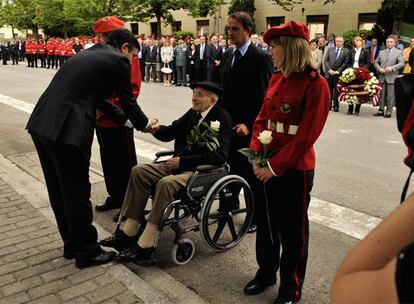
<point x="50" y="51"/>
<point x="294" y="111"/>
<point x="42" y="53"/>
<point x="116" y="142"/>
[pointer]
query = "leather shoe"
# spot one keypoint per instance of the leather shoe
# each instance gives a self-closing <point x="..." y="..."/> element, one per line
<point x="109" y="204"/>
<point x="336" y="109"/>
<point x="140" y="256"/>
<point x="257" y="285"/>
<point x="102" y="257"/>
<point x="116" y="217"/>
<point x="119" y="240"/>
<point x="378" y="114"/>
<point x="387" y="115"/>
<point x="68" y="255"/>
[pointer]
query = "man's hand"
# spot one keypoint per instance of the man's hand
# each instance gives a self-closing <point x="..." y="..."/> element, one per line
<point x="388" y="69"/>
<point x="99" y="114"/>
<point x="382" y="70"/>
<point x="217" y="62"/>
<point x="332" y="72"/>
<point x="262" y="174"/>
<point x="153" y="126"/>
<point x="173" y="163"/>
<point x="241" y="130"/>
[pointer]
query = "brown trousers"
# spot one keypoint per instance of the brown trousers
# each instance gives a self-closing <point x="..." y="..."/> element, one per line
<point x="143" y="179"/>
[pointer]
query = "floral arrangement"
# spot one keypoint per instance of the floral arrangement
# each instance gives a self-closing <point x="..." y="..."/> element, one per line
<point x="358" y="85"/>
<point x="260" y="158"/>
<point x="208" y="138"/>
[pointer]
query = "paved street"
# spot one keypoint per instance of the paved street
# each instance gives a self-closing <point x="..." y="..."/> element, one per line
<point x="359" y="177"/>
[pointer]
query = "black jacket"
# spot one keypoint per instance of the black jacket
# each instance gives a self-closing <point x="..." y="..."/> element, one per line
<point x="244" y="87"/>
<point x="148" y="55"/>
<point x="363" y="61"/>
<point x="191" y="158"/>
<point x="65" y="112"/>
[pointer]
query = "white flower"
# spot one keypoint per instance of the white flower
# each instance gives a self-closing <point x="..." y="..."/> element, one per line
<point x="265" y="137"/>
<point x="215" y="125"/>
<point x="371" y="74"/>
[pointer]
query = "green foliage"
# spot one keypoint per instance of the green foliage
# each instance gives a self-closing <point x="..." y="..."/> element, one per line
<point x="208" y="138"/>
<point x="349" y="36"/>
<point x="288" y="5"/>
<point x="184" y="34"/>
<point x="243" y="6"/>
<point x="202" y="8"/>
<point x="391" y="14"/>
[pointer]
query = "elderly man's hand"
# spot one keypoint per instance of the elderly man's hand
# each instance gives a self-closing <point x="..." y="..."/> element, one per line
<point x="153" y="126"/>
<point x="173" y="163"/>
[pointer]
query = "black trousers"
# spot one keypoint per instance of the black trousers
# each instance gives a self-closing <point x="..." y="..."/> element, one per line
<point x="283" y="223"/>
<point x="50" y="61"/>
<point x="42" y="58"/>
<point x="118" y="156"/>
<point x="66" y="171"/>
<point x="332" y="82"/>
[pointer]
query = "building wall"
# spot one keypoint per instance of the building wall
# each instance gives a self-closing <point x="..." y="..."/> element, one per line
<point x="343" y="15"/>
<point x="6" y="33"/>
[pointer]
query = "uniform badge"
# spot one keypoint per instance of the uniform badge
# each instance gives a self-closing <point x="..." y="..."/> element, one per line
<point x="285" y="108"/>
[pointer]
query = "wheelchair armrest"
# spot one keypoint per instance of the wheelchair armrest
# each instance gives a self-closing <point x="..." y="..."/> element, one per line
<point x="164" y="153"/>
<point x="209" y="168"/>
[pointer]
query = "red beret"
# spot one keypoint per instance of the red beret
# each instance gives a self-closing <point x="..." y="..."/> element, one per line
<point x="291" y="28"/>
<point x="108" y="24"/>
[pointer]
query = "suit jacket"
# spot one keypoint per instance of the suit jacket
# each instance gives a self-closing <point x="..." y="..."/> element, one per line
<point x="198" y="61"/>
<point x="331" y="63"/>
<point x="244" y="87"/>
<point x="148" y="55"/>
<point x="363" y="61"/>
<point x="191" y="158"/>
<point x="65" y="112"/>
<point x="377" y="51"/>
<point x="212" y="55"/>
<point x="391" y="59"/>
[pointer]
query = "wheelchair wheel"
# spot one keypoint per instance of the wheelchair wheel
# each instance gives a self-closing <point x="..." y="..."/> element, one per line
<point x="183" y="251"/>
<point x="223" y="224"/>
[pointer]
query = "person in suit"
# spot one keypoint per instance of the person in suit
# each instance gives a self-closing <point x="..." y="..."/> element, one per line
<point x="167" y="178"/>
<point x="214" y="53"/>
<point x="62" y="126"/>
<point x="373" y="55"/>
<point x="336" y="60"/>
<point x="358" y="58"/>
<point x="245" y="74"/>
<point x="181" y="55"/>
<point x="388" y="65"/>
<point x="317" y="55"/>
<point x="201" y="60"/>
<point x="149" y="55"/>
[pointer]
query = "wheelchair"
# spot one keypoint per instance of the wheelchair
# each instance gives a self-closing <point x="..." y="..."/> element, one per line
<point x="203" y="205"/>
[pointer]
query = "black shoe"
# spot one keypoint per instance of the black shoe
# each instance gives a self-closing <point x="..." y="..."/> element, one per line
<point x="252" y="229"/>
<point x="348" y="113"/>
<point x="378" y="114"/>
<point x="68" y="252"/>
<point x="109" y="204"/>
<point x="116" y="217"/>
<point x="283" y="301"/>
<point x="257" y="285"/>
<point x="102" y="257"/>
<point x="119" y="240"/>
<point x="336" y="109"/>
<point x="387" y="115"/>
<point x="140" y="256"/>
<point x="356" y="114"/>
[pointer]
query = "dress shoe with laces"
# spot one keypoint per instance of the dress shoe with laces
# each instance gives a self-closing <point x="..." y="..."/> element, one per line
<point x="140" y="256"/>
<point x="119" y="240"/>
<point x="102" y="257"/>
<point x="257" y="285"/>
<point x="109" y="204"/>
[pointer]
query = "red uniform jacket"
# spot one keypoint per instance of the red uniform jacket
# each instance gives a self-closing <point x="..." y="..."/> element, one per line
<point x="408" y="125"/>
<point x="62" y="49"/>
<point x="69" y="50"/>
<point x="29" y="46"/>
<point x="105" y="121"/>
<point x="42" y="49"/>
<point x="57" y="49"/>
<point x="50" y="48"/>
<point x="295" y="109"/>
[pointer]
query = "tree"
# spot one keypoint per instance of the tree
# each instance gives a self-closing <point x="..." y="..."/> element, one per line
<point x="243" y="6"/>
<point x="290" y="4"/>
<point x="391" y="14"/>
<point x="19" y="14"/>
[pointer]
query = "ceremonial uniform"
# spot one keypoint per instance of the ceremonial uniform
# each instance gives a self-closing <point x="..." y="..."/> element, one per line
<point x="50" y="50"/>
<point x="295" y="110"/>
<point x="28" y="51"/>
<point x="42" y="53"/>
<point x="34" y="50"/>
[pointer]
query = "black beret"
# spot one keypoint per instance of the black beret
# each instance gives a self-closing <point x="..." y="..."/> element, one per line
<point x="208" y="85"/>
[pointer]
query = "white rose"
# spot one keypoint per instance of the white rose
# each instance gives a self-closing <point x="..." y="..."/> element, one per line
<point x="371" y="74"/>
<point x="215" y="125"/>
<point x="265" y="137"/>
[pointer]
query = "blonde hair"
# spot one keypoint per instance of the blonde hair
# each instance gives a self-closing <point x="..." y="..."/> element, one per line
<point x="358" y="38"/>
<point x="296" y="56"/>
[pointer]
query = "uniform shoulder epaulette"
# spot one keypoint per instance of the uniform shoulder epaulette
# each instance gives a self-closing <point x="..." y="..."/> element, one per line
<point x="312" y="73"/>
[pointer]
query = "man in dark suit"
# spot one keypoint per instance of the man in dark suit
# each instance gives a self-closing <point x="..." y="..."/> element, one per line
<point x="245" y="74"/>
<point x="62" y="126"/>
<point x="213" y="60"/>
<point x="336" y="60"/>
<point x="201" y="60"/>
<point x="149" y="55"/>
<point x="373" y="54"/>
<point x="167" y="178"/>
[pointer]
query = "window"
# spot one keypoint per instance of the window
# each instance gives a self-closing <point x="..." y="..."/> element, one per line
<point x="203" y="27"/>
<point x="154" y="29"/>
<point x="318" y="25"/>
<point x="274" y="21"/>
<point x="176" y="26"/>
<point x="367" y="21"/>
<point x="135" y="28"/>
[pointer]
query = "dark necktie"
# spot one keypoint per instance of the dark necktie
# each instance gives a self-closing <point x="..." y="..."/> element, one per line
<point x="337" y="53"/>
<point x="236" y="56"/>
<point x="197" y="118"/>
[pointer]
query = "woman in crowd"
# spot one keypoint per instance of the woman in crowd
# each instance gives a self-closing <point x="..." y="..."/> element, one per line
<point x="191" y="62"/>
<point x="316" y="55"/>
<point x="167" y="53"/>
<point x="295" y="115"/>
<point x="359" y="57"/>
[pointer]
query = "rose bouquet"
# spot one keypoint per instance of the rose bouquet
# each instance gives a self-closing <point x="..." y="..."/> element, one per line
<point x="357" y="86"/>
<point x="347" y="76"/>
<point x="209" y="137"/>
<point x="260" y="158"/>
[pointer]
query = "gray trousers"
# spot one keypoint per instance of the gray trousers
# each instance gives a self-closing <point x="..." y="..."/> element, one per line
<point x="144" y="178"/>
<point x="150" y="66"/>
<point x="181" y="72"/>
<point x="387" y="98"/>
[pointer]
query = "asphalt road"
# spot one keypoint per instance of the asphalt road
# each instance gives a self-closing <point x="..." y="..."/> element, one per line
<point x="359" y="166"/>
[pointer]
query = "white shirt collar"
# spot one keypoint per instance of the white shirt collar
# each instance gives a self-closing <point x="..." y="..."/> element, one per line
<point x="204" y="114"/>
<point x="244" y="47"/>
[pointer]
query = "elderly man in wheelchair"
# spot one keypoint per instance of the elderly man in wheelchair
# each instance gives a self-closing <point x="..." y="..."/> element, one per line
<point x="165" y="180"/>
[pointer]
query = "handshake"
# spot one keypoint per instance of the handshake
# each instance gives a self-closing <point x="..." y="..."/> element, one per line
<point x="152" y="126"/>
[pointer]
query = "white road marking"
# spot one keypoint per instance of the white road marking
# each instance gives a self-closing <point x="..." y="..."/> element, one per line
<point x="345" y="220"/>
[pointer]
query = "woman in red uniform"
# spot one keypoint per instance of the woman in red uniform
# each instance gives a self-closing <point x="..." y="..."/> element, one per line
<point x="295" y="108"/>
